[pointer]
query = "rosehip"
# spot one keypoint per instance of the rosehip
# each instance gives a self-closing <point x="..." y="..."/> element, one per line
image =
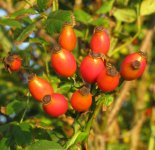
<point x="133" y="66"/>
<point x="67" y="38"/>
<point x="148" y="112"/>
<point x="100" y="41"/>
<point x="13" y="63"/>
<point x="90" y="68"/>
<point x="81" y="100"/>
<point x="55" y="104"/>
<point x="108" y="79"/>
<point x="63" y="62"/>
<point x="39" y="87"/>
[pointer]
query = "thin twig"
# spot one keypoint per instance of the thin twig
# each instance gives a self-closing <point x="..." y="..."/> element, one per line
<point x="119" y="100"/>
<point x="27" y="104"/>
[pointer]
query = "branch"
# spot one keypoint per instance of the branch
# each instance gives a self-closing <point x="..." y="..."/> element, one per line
<point x="119" y="100"/>
<point x="7" y="6"/>
<point x="140" y="117"/>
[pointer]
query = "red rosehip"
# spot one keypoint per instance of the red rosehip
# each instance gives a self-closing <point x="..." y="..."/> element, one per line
<point x="81" y="100"/>
<point x="39" y="87"/>
<point x="63" y="62"/>
<point x="67" y="38"/>
<point x="100" y="41"/>
<point x="90" y="68"/>
<point x="55" y="104"/>
<point x="108" y="79"/>
<point x="133" y="66"/>
<point x="13" y="63"/>
<point x="148" y="112"/>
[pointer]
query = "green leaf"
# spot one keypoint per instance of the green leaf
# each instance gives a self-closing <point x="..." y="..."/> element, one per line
<point x="118" y="146"/>
<point x="4" y="41"/>
<point x="83" y="16"/>
<point x="4" y="144"/>
<point x="10" y="22"/>
<point x="81" y="137"/>
<point x="39" y="133"/>
<point x="22" y="134"/>
<point x="125" y="15"/>
<point x="23" y="12"/>
<point x="147" y="7"/>
<point x="25" y="33"/>
<point x="79" y="33"/>
<point x="4" y="128"/>
<point x="15" y="107"/>
<point x="56" y="20"/>
<point x="38" y="40"/>
<point x="44" y="144"/>
<point x="65" y="88"/>
<point x="27" y="20"/>
<point x="106" y="7"/>
<point x="100" y="22"/>
<point x="106" y="100"/>
<point x="72" y="140"/>
<point x="42" y="4"/>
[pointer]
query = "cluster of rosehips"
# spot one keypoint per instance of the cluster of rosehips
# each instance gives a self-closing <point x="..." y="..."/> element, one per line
<point x="94" y="68"/>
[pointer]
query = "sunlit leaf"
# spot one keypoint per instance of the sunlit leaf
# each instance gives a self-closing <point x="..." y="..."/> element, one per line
<point x="100" y="22"/>
<point x="83" y="16"/>
<point x="125" y="15"/>
<point x="23" y="12"/>
<point x="106" y="7"/>
<point x="44" y="144"/>
<point x="10" y="22"/>
<point x="106" y="100"/>
<point x="147" y="7"/>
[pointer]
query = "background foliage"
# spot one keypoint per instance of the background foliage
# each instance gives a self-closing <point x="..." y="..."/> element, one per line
<point x="125" y="118"/>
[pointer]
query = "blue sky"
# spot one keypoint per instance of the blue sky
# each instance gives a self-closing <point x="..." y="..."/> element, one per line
<point x="2" y="13"/>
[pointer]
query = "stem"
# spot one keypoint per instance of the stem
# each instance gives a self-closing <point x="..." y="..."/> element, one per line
<point x="27" y="103"/>
<point x="92" y="117"/>
<point x="72" y="140"/>
<point x="86" y="34"/>
<point x="124" y="45"/>
<point x="77" y="131"/>
<point x="46" y="63"/>
<point x="43" y="15"/>
<point x="151" y="145"/>
<point x="55" y="5"/>
<point x="28" y="3"/>
<point x="134" y="37"/>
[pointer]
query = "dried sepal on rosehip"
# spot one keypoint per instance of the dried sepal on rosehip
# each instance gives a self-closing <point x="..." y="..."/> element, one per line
<point x="133" y="66"/>
<point x="12" y="62"/>
<point x="55" y="105"/>
<point x="81" y="99"/>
